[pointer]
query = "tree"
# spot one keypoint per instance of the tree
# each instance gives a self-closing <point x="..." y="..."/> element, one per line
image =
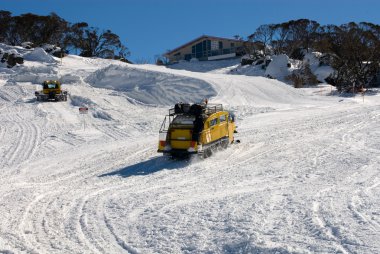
<point x="301" y="35"/>
<point x="52" y="29"/>
<point x="355" y="50"/>
<point x="264" y="35"/>
<point x="5" y="24"/>
<point x="101" y="44"/>
<point x="280" y="35"/>
<point x="91" y="42"/>
<point x="49" y="29"/>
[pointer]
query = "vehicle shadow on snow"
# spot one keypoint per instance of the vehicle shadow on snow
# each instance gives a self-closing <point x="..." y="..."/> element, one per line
<point x="249" y="247"/>
<point x="149" y="167"/>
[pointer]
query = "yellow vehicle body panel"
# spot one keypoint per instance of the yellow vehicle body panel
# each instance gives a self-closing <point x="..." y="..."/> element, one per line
<point x="49" y="90"/>
<point x="217" y="127"/>
<point x="180" y="138"/>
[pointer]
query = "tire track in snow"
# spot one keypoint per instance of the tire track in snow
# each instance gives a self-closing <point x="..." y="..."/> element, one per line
<point x="20" y="121"/>
<point x="26" y="144"/>
<point x="327" y="230"/>
<point x="112" y="131"/>
<point x="325" y="221"/>
<point x="101" y="221"/>
<point x="47" y="208"/>
<point x="12" y="152"/>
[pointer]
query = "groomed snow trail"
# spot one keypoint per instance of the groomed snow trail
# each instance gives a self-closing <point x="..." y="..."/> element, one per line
<point x="304" y="179"/>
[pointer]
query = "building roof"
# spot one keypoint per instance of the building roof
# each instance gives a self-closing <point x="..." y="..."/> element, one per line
<point x="197" y="39"/>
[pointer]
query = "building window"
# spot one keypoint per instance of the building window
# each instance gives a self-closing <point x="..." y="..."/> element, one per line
<point x="220" y="45"/>
<point x="202" y="49"/>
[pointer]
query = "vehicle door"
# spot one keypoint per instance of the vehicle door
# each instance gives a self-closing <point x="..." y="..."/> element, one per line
<point x="223" y="125"/>
<point x="214" y="128"/>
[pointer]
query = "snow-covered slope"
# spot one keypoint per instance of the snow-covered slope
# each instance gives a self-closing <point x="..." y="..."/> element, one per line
<point x="304" y="179"/>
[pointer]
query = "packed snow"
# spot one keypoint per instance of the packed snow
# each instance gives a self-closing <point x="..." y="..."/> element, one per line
<point x="304" y="179"/>
<point x="39" y="55"/>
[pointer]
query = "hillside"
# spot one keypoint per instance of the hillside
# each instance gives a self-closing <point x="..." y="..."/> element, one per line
<point x="304" y="178"/>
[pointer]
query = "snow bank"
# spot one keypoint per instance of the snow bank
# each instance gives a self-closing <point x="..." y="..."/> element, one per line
<point x="101" y="115"/>
<point x="204" y="66"/>
<point x="39" y="55"/>
<point x="79" y="101"/>
<point x="35" y="74"/>
<point x="248" y="70"/>
<point x="151" y="87"/>
<point x="312" y="59"/>
<point x="70" y="78"/>
<point x="322" y="72"/>
<point x="20" y="50"/>
<point x="278" y="68"/>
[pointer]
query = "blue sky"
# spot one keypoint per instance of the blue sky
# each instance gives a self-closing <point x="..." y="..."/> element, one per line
<point x="149" y="27"/>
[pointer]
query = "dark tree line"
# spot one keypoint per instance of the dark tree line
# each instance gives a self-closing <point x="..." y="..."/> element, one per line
<point x="52" y="29"/>
<point x="352" y="49"/>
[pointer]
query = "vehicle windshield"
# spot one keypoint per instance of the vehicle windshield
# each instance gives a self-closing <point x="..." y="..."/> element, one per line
<point x="184" y="120"/>
<point x="50" y="86"/>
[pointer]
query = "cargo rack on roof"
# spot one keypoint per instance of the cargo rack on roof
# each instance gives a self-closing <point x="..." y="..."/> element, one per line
<point x="185" y="108"/>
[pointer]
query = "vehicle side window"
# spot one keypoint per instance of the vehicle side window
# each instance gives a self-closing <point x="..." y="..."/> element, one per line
<point x="213" y="122"/>
<point x="222" y="118"/>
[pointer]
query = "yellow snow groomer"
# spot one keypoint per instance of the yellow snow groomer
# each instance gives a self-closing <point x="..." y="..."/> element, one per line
<point x="196" y="129"/>
<point x="51" y="90"/>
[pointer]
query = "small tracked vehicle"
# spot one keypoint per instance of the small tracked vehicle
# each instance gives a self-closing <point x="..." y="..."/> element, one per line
<point x="196" y="129"/>
<point x="51" y="91"/>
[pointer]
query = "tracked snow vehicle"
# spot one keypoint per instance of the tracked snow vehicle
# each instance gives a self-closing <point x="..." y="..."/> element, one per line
<point x="51" y="90"/>
<point x="196" y="129"/>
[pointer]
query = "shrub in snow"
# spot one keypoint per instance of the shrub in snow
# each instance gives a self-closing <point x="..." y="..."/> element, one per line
<point x="246" y="61"/>
<point x="260" y="61"/>
<point x="2" y="60"/>
<point x="250" y="59"/>
<point x="27" y="45"/>
<point x="296" y="79"/>
<point x="302" y="76"/>
<point x="159" y="62"/>
<point x="10" y="58"/>
<point x="298" y="54"/>
<point x="53" y="50"/>
<point x="325" y="60"/>
<point x="318" y="65"/>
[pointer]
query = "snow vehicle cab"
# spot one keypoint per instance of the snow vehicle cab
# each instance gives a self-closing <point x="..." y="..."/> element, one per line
<point x="51" y="90"/>
<point x="196" y="129"/>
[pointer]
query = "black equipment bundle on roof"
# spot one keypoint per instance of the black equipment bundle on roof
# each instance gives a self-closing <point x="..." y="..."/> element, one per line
<point x="196" y="109"/>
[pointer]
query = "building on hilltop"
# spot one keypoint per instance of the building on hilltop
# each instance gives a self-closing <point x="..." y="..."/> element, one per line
<point x="205" y="48"/>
